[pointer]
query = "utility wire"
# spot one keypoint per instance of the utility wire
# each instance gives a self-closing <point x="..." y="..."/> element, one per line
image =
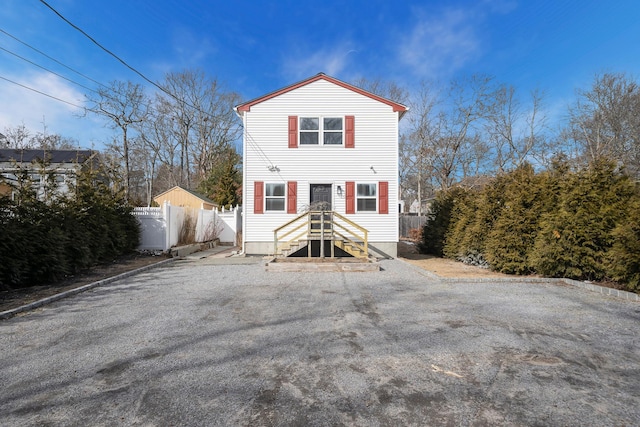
<point x="53" y="59"/>
<point x="122" y="61"/>
<point x="46" y="69"/>
<point x="42" y="93"/>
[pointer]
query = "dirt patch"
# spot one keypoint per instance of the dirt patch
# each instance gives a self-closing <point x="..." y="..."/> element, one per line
<point x="443" y="267"/>
<point x="18" y="297"/>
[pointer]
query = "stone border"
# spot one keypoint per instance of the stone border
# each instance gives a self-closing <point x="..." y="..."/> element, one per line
<point x="629" y="296"/>
<point x="315" y="265"/>
<point x="14" y="311"/>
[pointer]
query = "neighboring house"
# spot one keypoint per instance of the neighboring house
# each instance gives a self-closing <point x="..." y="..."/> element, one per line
<point x="320" y="143"/>
<point x="180" y="196"/>
<point x="424" y="210"/>
<point x="62" y="165"/>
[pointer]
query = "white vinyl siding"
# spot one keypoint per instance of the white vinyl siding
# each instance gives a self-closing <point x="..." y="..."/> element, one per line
<point x="266" y="145"/>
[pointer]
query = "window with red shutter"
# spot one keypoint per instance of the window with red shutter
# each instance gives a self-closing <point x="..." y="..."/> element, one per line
<point x="293" y="131"/>
<point x="383" y="197"/>
<point x="350" y="197"/>
<point x="292" y="197"/>
<point x="349" y="136"/>
<point x="258" y="197"/>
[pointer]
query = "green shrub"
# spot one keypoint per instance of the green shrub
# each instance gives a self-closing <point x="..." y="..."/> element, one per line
<point x="437" y="226"/>
<point x="44" y="241"/>
<point x="512" y="235"/>
<point x="622" y="261"/>
<point x="462" y="218"/>
<point x="574" y="238"/>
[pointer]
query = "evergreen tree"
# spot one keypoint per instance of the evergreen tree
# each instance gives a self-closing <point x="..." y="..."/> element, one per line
<point x="437" y="226"/>
<point x="513" y="234"/>
<point x="462" y="216"/>
<point x="224" y="181"/>
<point x="622" y="262"/>
<point x="575" y="237"/>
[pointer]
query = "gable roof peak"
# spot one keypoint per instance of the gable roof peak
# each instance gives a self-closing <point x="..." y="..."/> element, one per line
<point x="246" y="106"/>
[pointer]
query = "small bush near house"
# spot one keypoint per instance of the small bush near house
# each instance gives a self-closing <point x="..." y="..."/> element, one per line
<point x="44" y="241"/>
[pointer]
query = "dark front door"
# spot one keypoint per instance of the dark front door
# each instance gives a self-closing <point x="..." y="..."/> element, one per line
<point x="320" y="197"/>
<point x="320" y="200"/>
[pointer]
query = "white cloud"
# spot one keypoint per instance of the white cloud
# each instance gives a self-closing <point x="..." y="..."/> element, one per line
<point x="441" y="43"/>
<point x="331" y="61"/>
<point x="34" y="110"/>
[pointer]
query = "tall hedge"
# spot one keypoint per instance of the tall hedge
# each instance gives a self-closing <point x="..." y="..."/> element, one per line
<point x="512" y="235"/>
<point x="43" y="241"/>
<point x="439" y="217"/>
<point x="622" y="261"/>
<point x="582" y="224"/>
<point x="575" y="237"/>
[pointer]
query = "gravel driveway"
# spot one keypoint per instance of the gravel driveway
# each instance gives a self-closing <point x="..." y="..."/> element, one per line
<point x="205" y="342"/>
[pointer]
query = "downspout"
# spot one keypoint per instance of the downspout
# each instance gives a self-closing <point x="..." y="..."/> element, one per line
<point x="244" y="182"/>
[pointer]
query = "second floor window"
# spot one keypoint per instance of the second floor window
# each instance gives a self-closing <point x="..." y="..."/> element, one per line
<point x="321" y="130"/>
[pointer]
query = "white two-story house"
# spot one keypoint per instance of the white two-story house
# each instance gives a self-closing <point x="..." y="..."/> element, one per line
<point x="320" y="145"/>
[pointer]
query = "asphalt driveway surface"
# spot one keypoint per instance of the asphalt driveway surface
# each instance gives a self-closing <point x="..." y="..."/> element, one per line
<point x="198" y="342"/>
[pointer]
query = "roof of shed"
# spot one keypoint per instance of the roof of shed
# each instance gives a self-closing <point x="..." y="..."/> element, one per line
<point x="193" y="193"/>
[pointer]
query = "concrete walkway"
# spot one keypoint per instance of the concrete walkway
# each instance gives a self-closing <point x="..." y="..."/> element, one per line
<point x="219" y="341"/>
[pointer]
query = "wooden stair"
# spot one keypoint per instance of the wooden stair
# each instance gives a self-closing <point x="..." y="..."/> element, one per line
<point x="327" y="227"/>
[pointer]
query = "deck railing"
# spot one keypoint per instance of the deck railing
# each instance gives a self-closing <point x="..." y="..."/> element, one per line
<point x="322" y="226"/>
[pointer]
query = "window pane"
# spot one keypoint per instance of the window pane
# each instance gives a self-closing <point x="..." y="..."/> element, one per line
<point x="368" y="205"/>
<point x="275" y="204"/>
<point x="309" y="138"/>
<point x="309" y="123"/>
<point x="333" y="123"/>
<point x="366" y="190"/>
<point x="333" y="137"/>
<point x="275" y="190"/>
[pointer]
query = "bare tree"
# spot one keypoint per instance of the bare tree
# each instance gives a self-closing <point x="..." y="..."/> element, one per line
<point x="514" y="134"/>
<point x="605" y="120"/>
<point x="416" y="148"/>
<point x="385" y="89"/>
<point x="458" y="150"/>
<point x="125" y="106"/>
<point x="18" y="137"/>
<point x="198" y="121"/>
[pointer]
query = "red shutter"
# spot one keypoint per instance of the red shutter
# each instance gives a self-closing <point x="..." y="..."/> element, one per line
<point x="258" y="197"/>
<point x="349" y="136"/>
<point x="292" y="197"/>
<point x="293" y="131"/>
<point x="383" y="196"/>
<point x="350" y="197"/>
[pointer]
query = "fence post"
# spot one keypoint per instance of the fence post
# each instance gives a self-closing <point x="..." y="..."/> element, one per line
<point x="166" y="214"/>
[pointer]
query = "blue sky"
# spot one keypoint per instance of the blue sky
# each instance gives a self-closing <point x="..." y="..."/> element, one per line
<point x="255" y="47"/>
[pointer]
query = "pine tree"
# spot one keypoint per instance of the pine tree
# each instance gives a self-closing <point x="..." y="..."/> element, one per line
<point x="513" y="234"/>
<point x="622" y="261"/>
<point x="224" y="182"/>
<point x="575" y="237"/>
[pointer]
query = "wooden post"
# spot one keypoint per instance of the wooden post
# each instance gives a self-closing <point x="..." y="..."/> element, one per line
<point x="322" y="234"/>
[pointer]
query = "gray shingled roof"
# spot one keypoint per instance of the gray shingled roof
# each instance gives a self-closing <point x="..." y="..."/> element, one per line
<point x="53" y="156"/>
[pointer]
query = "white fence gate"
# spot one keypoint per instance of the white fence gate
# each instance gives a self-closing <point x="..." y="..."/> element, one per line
<point x="160" y="227"/>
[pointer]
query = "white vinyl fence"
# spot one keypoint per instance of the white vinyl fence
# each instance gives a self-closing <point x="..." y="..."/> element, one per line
<point x="160" y="227"/>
